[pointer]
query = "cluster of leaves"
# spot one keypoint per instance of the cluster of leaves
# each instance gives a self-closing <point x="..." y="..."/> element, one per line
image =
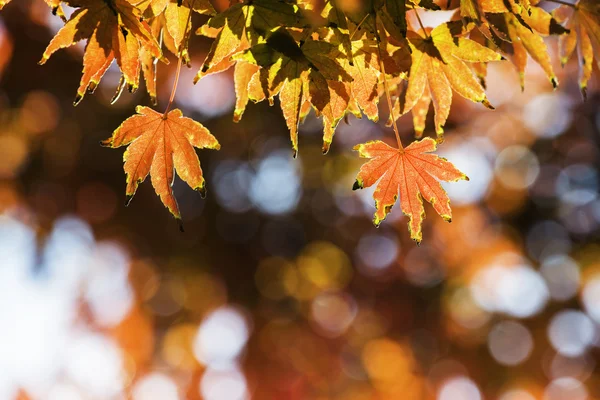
<point x="334" y="57"/>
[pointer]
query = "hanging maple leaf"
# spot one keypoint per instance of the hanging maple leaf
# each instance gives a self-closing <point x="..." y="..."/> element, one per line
<point x="301" y="73"/>
<point x="242" y="25"/>
<point x="114" y="32"/>
<point x="437" y="67"/>
<point x="583" y="22"/>
<point x="411" y="173"/>
<point x="517" y="28"/>
<point x="159" y="145"/>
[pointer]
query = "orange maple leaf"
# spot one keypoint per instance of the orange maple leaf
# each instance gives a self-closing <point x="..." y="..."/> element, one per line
<point x="410" y="172"/>
<point x="114" y="32"/>
<point x="159" y="145"/>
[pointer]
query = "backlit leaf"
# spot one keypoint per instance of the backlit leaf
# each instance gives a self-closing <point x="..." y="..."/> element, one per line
<point x="114" y="32"/>
<point x="160" y="146"/>
<point x="411" y="173"/>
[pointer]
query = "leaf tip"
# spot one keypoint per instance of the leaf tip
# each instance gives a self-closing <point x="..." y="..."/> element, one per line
<point x="584" y="92"/>
<point x="92" y="87"/>
<point x="487" y="104"/>
<point x="326" y="146"/>
<point x="128" y="198"/>
<point x="554" y="82"/>
<point x="202" y="190"/>
<point x="357" y="185"/>
<point x="78" y="99"/>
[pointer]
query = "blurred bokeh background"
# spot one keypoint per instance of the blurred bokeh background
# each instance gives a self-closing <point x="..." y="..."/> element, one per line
<point x="280" y="287"/>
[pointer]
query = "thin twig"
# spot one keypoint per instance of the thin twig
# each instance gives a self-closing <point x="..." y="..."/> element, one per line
<point x="358" y="26"/>
<point x="386" y="89"/>
<point x="420" y="22"/>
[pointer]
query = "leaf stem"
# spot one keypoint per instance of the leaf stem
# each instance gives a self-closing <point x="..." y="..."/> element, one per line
<point x="179" y="62"/>
<point x="358" y="26"/>
<point x="421" y="22"/>
<point x="386" y="89"/>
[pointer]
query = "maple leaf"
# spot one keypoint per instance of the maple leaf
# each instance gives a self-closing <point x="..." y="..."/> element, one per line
<point x="438" y="66"/>
<point x="242" y="25"/>
<point x="412" y="174"/>
<point x="114" y="32"/>
<point x="583" y="22"/>
<point x="161" y="145"/>
<point x="301" y="73"/>
<point x="517" y="28"/>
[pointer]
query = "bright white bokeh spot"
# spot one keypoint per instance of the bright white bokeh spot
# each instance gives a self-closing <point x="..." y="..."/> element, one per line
<point x="221" y="338"/>
<point x="516" y="290"/>
<point x="64" y="392"/>
<point x="68" y="268"/>
<point x="212" y="96"/>
<point x="17" y="247"/>
<point x="95" y="363"/>
<point x="517" y="394"/>
<point x="276" y="187"/>
<point x="484" y="289"/>
<point x="474" y="159"/>
<point x="562" y="276"/>
<point x="517" y="167"/>
<point x="459" y="388"/>
<point x="227" y="384"/>
<point x="377" y="252"/>
<point x="548" y="114"/>
<point x="591" y="298"/>
<point x="155" y="386"/>
<point x="522" y="292"/>
<point x="510" y="343"/>
<point x="565" y="389"/>
<point x="108" y="292"/>
<point x="571" y="332"/>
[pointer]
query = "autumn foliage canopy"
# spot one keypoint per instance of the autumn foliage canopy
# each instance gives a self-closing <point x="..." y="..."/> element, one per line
<point x="333" y="57"/>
